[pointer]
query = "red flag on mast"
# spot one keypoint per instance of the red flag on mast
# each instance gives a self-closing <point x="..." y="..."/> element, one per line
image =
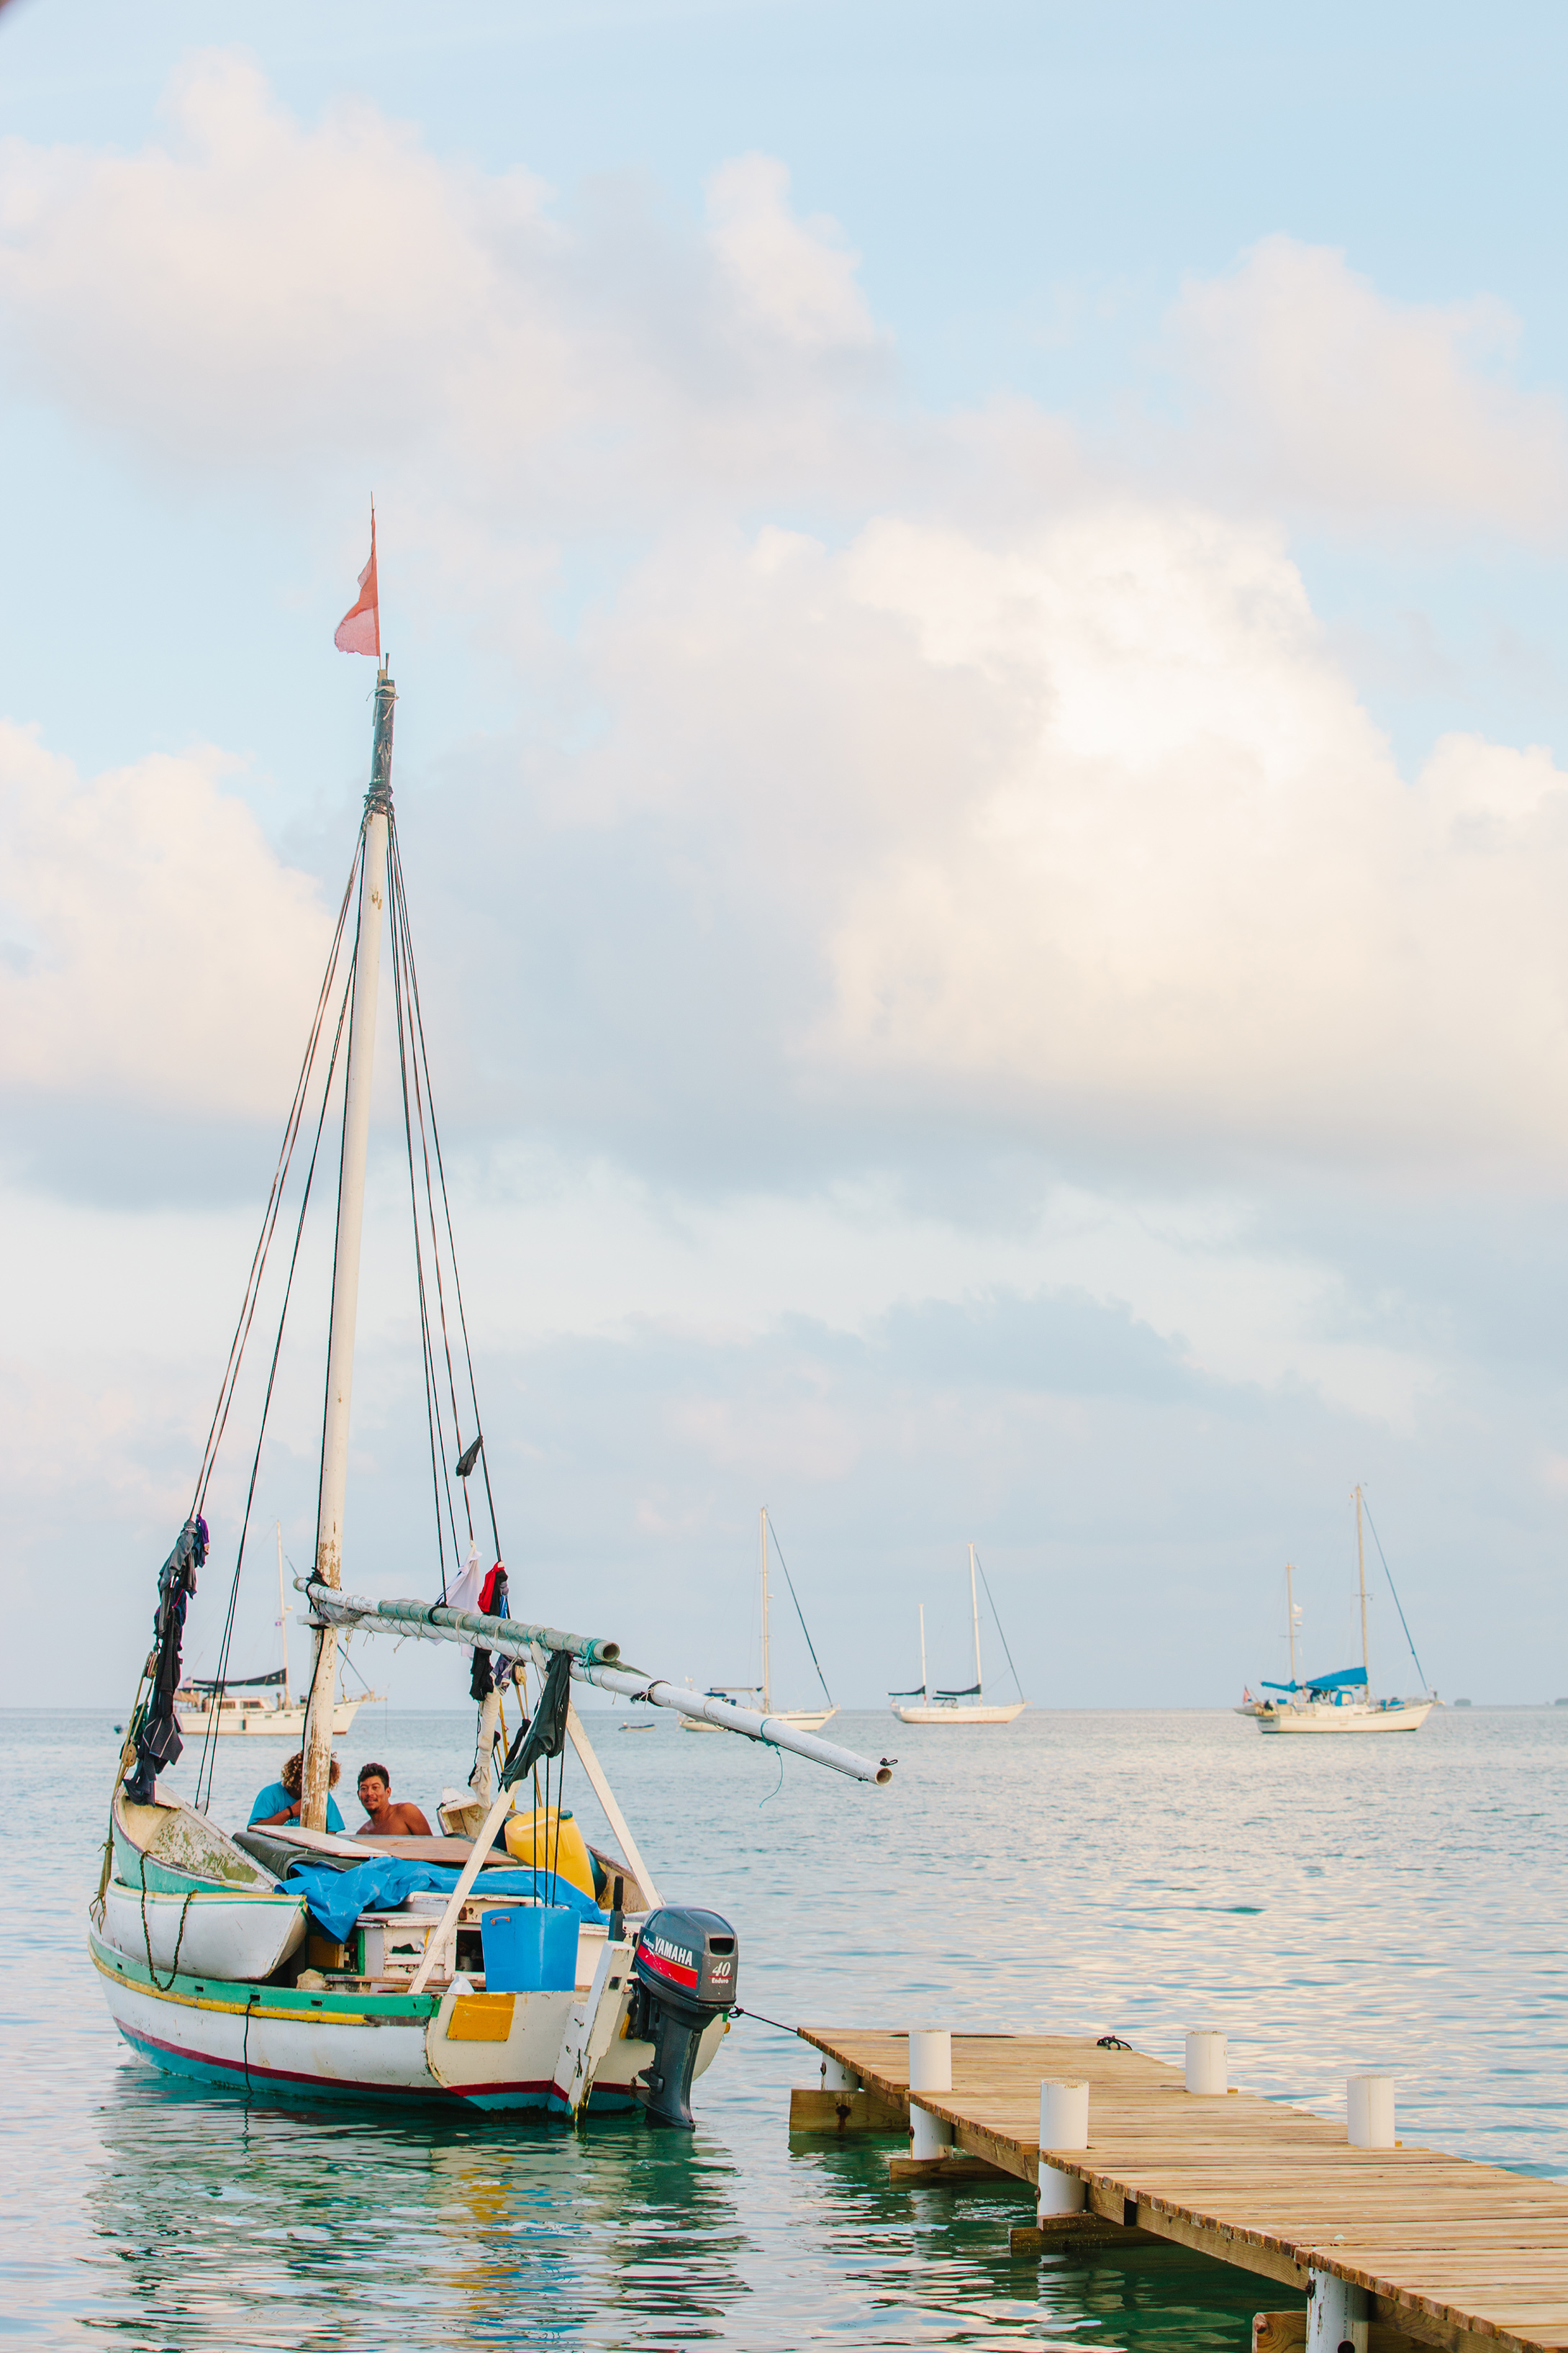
<point x="359" y="631"/>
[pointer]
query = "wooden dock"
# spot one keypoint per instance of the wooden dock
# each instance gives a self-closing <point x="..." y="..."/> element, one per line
<point x="1450" y="2254"/>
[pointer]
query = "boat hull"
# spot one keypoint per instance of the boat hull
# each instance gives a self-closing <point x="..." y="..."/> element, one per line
<point x="949" y="1715"/>
<point x="497" y="2052"/>
<point x="219" y="1933"/>
<point x="1312" y="1720"/>
<point x="260" y="1723"/>
<point x="803" y="1720"/>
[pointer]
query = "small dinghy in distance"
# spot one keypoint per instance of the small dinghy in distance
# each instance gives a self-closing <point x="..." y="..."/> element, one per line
<point x="513" y="1967"/>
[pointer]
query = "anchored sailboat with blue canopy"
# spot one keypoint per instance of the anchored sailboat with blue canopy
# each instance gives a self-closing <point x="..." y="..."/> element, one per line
<point x="1342" y="1700"/>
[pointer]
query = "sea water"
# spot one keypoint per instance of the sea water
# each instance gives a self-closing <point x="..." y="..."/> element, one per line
<point x="1335" y="1903"/>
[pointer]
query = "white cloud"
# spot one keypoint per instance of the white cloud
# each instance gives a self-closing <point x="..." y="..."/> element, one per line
<point x="1085" y="834"/>
<point x="153" y="950"/>
<point x="251" y="291"/>
<point x="795" y="277"/>
<point x="1322" y="392"/>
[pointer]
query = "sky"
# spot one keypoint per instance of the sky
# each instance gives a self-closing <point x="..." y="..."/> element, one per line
<point x="975" y="600"/>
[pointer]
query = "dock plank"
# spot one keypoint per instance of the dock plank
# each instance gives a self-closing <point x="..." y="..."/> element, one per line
<point x="1461" y="2255"/>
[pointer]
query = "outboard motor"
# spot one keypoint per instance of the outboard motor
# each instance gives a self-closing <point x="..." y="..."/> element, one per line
<point x="684" y="1970"/>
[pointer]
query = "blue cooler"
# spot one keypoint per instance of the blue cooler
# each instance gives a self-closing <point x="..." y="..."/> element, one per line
<point x="529" y="1948"/>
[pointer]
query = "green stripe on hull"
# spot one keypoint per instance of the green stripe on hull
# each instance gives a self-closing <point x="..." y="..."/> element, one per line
<point x="219" y="1993"/>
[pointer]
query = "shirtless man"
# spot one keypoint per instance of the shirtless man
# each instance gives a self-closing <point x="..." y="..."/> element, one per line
<point x="380" y="1815"/>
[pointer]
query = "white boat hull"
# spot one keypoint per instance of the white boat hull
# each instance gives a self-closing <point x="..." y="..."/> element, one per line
<point x="979" y="1714"/>
<point x="221" y="1934"/>
<point x="261" y="1723"/>
<point x="802" y="1719"/>
<point x="486" y="2051"/>
<point x="1400" y="1717"/>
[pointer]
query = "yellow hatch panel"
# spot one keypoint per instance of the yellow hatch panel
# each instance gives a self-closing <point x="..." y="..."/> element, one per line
<point x="481" y="2018"/>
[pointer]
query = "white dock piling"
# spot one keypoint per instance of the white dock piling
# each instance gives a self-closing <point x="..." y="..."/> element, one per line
<point x="1369" y="2111"/>
<point x="1336" y="2315"/>
<point x="1064" y="2128"/>
<point x="837" y="2077"/>
<point x="930" y="2070"/>
<point x="1206" y="2064"/>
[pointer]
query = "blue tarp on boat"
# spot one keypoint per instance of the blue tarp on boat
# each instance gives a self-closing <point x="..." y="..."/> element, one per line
<point x="1346" y="1679"/>
<point x="336" y="1898"/>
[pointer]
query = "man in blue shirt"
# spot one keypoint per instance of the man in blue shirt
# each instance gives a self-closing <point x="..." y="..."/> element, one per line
<point x="279" y="1801"/>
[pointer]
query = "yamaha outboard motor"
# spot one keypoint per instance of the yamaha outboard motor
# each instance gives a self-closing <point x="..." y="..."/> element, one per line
<point x="684" y="1970"/>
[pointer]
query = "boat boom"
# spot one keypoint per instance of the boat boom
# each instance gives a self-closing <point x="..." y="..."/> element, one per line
<point x="438" y="1623"/>
<point x="746" y="1721"/>
<point x="592" y="1662"/>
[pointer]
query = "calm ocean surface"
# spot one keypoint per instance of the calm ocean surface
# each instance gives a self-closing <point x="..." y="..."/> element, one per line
<point x="1329" y="1904"/>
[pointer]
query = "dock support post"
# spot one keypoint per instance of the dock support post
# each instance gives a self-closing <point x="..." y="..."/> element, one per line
<point x="1369" y="2111"/>
<point x="930" y="2070"/>
<point x="1336" y="2315"/>
<point x="1206" y="2064"/>
<point x="1064" y="2128"/>
<point x="837" y="2077"/>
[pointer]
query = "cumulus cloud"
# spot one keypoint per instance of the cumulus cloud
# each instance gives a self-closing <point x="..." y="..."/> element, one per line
<point x="1085" y="834"/>
<point x="154" y="949"/>
<point x="1319" y="391"/>
<point x="250" y="290"/>
<point x="795" y="277"/>
<point x="1052" y="810"/>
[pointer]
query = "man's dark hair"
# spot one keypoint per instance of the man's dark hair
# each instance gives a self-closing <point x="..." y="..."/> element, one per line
<point x="380" y="1774"/>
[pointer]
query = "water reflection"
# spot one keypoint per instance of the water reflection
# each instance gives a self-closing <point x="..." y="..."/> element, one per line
<point x="1392" y="1902"/>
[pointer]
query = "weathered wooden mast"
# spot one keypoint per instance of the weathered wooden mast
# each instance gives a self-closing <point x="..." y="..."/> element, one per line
<point x="346" y="1256"/>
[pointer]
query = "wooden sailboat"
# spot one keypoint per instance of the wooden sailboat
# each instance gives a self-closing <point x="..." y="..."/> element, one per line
<point x="276" y="1714"/>
<point x="1341" y="1702"/>
<point x="805" y="1719"/>
<point x="290" y="1960"/>
<point x="971" y="1707"/>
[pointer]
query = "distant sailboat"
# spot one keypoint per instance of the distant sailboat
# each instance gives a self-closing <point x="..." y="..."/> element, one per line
<point x="805" y="1719"/>
<point x="971" y="1707"/>
<point x="1341" y="1702"/>
<point x="278" y="1714"/>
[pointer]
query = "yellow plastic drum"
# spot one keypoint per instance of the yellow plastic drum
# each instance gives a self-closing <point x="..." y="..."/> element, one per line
<point x="533" y="1838"/>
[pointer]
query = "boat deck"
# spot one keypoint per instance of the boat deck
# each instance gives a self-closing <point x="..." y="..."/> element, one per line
<point x="1453" y="2254"/>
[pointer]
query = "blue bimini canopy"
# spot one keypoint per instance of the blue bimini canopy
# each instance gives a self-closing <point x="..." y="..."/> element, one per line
<point x="1346" y="1679"/>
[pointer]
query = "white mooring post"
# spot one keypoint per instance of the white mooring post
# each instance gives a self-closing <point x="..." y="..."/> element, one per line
<point x="837" y="2077"/>
<point x="930" y="2070"/>
<point x="1336" y="2315"/>
<point x="1063" y="2129"/>
<point x="1206" y="2064"/>
<point x="1369" y="2111"/>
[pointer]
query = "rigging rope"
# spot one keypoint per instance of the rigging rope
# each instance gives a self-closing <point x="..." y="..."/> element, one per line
<point x="397" y="914"/>
<point x="274" y="1205"/>
<point x="986" y="1581"/>
<point x="207" y="1762"/>
<point x="800" y="1613"/>
<point x="414" y="1071"/>
<point x="1393" y="1588"/>
<point x="401" y="902"/>
<point x="446" y="1204"/>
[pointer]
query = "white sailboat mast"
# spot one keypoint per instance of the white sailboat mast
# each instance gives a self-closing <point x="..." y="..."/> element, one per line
<point x="283" y="1621"/>
<point x="974" y="1612"/>
<point x="1290" y="1614"/>
<point x="346" y="1258"/>
<point x="1361" y="1574"/>
<point x="925" y="1687"/>
<point x="767" y="1672"/>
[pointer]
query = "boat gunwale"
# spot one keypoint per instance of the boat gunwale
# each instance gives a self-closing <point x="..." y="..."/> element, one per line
<point x="302" y="2005"/>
